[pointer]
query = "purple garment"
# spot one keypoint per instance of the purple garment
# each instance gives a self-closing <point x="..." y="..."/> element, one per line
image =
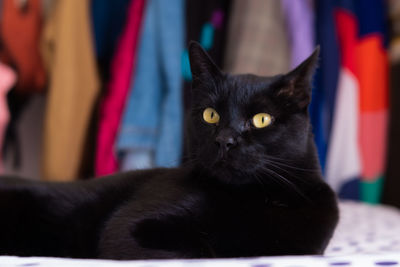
<point x="299" y="16"/>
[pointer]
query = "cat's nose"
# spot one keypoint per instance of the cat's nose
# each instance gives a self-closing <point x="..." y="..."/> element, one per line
<point x="226" y="142"/>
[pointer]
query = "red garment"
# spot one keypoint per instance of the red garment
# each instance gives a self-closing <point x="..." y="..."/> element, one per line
<point x="20" y="34"/>
<point x="113" y="102"/>
<point x="358" y="141"/>
<point x="373" y="76"/>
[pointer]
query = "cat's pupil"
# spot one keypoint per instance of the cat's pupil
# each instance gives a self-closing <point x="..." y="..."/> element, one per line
<point x="212" y="115"/>
<point x="262" y="120"/>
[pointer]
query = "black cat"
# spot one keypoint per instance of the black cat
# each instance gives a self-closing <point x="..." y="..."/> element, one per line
<point x="252" y="185"/>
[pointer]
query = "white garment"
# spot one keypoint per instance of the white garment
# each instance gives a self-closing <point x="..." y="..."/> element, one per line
<point x="343" y="157"/>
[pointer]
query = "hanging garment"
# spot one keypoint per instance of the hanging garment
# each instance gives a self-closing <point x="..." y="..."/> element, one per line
<point x="7" y="81"/>
<point x="356" y="156"/>
<point x="151" y="128"/>
<point x="108" y="20"/>
<point x="373" y="77"/>
<point x="47" y="7"/>
<point x="343" y="158"/>
<point x="326" y="79"/>
<point x="67" y="46"/>
<point x="299" y="17"/>
<point x="113" y="102"/>
<point x="20" y="34"/>
<point x="391" y="185"/>
<point x="257" y="39"/>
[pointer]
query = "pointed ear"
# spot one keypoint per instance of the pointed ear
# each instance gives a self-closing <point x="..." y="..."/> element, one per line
<point x="296" y="85"/>
<point x="201" y="65"/>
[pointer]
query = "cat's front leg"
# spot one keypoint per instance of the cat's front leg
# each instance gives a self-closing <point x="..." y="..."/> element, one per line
<point x="154" y="235"/>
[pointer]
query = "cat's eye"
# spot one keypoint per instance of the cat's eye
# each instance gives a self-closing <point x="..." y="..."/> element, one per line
<point x="261" y="120"/>
<point x="210" y="116"/>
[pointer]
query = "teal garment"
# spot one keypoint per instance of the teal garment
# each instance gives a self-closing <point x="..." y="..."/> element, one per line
<point x="152" y="120"/>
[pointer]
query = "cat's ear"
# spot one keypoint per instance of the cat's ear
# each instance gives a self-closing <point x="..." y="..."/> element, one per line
<point x="296" y="85"/>
<point x="201" y="65"/>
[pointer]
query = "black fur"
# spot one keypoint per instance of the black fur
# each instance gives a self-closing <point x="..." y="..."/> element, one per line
<point x="262" y="195"/>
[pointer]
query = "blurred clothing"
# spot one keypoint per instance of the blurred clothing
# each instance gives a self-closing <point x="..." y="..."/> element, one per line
<point x="373" y="77"/>
<point x="343" y="158"/>
<point x="73" y="88"/>
<point x="299" y="16"/>
<point x="20" y="34"/>
<point x="206" y="22"/>
<point x="357" y="149"/>
<point x="137" y="159"/>
<point x="108" y="20"/>
<point x="152" y="119"/>
<point x="114" y="99"/>
<point x="257" y="39"/>
<point x="47" y="7"/>
<point x="326" y="79"/>
<point x="7" y="81"/>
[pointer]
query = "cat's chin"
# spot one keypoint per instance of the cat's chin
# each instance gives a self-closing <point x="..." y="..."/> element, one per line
<point x="226" y="173"/>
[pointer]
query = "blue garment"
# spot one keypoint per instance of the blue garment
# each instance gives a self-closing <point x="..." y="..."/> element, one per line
<point x="324" y="91"/>
<point x="372" y="17"/>
<point x="137" y="159"/>
<point x="152" y="120"/>
<point x="351" y="189"/>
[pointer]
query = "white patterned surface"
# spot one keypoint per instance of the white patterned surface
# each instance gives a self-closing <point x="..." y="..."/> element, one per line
<point x="366" y="229"/>
<point x="295" y="261"/>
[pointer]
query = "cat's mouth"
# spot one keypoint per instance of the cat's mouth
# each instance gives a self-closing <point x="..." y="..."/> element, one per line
<point x="222" y="163"/>
<point x="234" y="163"/>
<point x="223" y="158"/>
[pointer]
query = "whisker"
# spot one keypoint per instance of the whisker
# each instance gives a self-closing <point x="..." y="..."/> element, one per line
<point x="292" y="174"/>
<point x="286" y="182"/>
<point x="271" y="159"/>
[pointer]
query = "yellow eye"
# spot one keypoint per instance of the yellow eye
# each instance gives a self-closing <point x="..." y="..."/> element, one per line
<point x="261" y="120"/>
<point x="210" y="116"/>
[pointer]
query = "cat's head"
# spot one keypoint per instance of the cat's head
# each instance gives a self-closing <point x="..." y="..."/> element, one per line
<point x="243" y="126"/>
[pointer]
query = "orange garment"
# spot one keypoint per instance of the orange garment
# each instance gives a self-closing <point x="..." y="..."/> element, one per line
<point x="20" y="33"/>
<point x="67" y="46"/>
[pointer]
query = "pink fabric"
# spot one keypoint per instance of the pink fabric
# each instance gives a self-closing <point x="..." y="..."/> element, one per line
<point x="373" y="144"/>
<point x="113" y="103"/>
<point x="7" y="81"/>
